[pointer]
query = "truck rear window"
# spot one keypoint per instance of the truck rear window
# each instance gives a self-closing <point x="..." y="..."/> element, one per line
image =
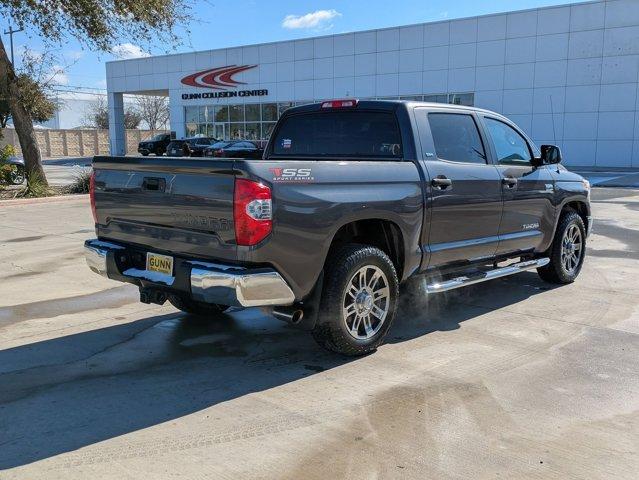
<point x="339" y="134"/>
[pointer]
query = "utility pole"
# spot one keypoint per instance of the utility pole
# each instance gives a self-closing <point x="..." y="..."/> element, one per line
<point x="10" y="32"/>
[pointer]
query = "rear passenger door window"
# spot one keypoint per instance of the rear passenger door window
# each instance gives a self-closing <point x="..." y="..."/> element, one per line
<point x="456" y="138"/>
<point x="510" y="146"/>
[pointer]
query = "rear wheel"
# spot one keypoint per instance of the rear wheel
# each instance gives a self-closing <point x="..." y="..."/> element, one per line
<point x="358" y="302"/>
<point x="567" y="251"/>
<point x="188" y="305"/>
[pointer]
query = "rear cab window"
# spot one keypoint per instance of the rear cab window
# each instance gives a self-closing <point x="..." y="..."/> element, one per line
<point x="361" y="134"/>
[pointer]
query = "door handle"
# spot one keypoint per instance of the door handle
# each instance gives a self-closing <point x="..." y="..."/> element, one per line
<point x="441" y="182"/>
<point x="509" y="182"/>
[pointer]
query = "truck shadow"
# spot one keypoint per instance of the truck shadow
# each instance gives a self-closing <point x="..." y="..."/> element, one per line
<point x="66" y="393"/>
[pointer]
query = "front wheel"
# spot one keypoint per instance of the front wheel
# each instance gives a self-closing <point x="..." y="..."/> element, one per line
<point x="567" y="251"/>
<point x="358" y="301"/>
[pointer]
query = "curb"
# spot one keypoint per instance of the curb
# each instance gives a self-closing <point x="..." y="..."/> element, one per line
<point x="53" y="199"/>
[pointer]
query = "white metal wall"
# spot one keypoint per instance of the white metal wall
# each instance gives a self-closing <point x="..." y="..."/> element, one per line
<point x="567" y="75"/>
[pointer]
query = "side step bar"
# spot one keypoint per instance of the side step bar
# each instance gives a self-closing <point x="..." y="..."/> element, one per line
<point x="463" y="281"/>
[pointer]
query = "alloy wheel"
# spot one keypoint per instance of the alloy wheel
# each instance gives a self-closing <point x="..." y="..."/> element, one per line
<point x="366" y="302"/>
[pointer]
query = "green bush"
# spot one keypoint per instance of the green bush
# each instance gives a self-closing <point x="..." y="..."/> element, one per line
<point x="6" y="152"/>
<point x="36" y="187"/>
<point x="81" y="180"/>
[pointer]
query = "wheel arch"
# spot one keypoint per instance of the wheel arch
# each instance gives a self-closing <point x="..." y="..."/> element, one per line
<point x="579" y="206"/>
<point x="377" y="232"/>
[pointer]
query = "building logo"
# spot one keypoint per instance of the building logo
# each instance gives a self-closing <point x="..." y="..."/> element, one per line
<point x="220" y="78"/>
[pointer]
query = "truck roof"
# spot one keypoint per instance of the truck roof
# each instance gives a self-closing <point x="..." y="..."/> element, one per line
<point x="391" y="105"/>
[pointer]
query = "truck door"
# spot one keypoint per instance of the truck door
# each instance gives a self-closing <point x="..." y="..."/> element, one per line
<point x="528" y="219"/>
<point x="463" y="188"/>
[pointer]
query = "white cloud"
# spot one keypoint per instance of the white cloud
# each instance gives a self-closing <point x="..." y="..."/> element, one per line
<point x="128" y="50"/>
<point x="318" y="19"/>
<point x="74" y="55"/>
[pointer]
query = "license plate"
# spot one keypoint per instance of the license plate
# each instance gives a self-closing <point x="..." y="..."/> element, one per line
<point x="173" y="152"/>
<point x="159" y="263"/>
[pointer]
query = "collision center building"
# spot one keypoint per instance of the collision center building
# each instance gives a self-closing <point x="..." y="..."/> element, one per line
<point x="567" y="75"/>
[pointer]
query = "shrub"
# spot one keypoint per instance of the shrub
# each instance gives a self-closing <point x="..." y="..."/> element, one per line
<point x="6" y="152"/>
<point x="81" y="180"/>
<point x="36" y="187"/>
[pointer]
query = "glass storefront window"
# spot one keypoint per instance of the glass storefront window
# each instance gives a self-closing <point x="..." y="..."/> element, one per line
<point x="219" y="131"/>
<point x="255" y="121"/>
<point x="206" y="114"/>
<point x="462" y="99"/>
<point x="236" y="131"/>
<point x="191" y="129"/>
<point x="436" y="98"/>
<point x="191" y="114"/>
<point x="252" y="112"/>
<point x="269" y="112"/>
<point x="236" y="113"/>
<point x="267" y="129"/>
<point x="282" y="107"/>
<point x="222" y="114"/>
<point x="252" y="131"/>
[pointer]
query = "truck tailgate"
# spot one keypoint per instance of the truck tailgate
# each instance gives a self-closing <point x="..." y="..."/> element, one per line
<point x="170" y="205"/>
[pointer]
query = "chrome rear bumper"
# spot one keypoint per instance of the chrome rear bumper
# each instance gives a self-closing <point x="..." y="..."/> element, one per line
<point x="209" y="282"/>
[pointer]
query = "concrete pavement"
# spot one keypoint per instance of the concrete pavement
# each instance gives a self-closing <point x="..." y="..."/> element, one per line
<point x="514" y="378"/>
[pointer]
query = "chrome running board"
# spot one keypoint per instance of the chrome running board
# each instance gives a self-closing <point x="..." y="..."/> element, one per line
<point x="463" y="281"/>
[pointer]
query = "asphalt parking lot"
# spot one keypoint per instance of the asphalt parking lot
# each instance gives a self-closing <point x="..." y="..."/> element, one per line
<point x="509" y="379"/>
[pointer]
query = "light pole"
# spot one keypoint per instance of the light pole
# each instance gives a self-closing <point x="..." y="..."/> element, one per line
<point x="10" y="32"/>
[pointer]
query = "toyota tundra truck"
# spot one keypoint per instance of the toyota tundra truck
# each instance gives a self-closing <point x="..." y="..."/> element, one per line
<point x="351" y="199"/>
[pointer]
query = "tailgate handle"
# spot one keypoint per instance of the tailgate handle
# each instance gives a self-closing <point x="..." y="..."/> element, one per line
<point x="154" y="184"/>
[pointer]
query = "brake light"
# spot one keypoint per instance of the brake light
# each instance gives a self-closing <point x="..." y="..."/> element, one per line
<point x="252" y="212"/>
<point x="348" y="103"/>
<point x="92" y="196"/>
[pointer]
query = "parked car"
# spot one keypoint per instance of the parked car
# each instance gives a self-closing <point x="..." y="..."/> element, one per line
<point x="189" y="147"/>
<point x="156" y="145"/>
<point x="234" y="149"/>
<point x="14" y="170"/>
<point x="351" y="199"/>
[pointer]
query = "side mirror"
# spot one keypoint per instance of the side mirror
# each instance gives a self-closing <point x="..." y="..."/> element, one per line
<point x="550" y="155"/>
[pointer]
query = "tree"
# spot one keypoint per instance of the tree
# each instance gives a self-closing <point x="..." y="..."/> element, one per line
<point x="154" y="110"/>
<point x="36" y="79"/>
<point x="95" y="23"/>
<point x="97" y="115"/>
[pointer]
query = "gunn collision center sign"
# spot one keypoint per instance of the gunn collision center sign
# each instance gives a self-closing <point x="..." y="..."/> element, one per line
<point x="221" y="79"/>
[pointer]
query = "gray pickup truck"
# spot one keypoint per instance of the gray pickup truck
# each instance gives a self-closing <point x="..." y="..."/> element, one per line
<point x="350" y="199"/>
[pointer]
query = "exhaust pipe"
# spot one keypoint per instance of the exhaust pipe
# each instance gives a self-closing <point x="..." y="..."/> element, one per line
<point x="290" y="315"/>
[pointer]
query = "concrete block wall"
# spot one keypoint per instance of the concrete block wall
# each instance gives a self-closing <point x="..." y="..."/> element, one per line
<point x="76" y="143"/>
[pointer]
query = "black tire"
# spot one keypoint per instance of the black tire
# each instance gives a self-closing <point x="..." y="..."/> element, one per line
<point x="159" y="152"/>
<point x="556" y="271"/>
<point x="188" y="305"/>
<point x="17" y="175"/>
<point x="332" y="330"/>
<point x="145" y="154"/>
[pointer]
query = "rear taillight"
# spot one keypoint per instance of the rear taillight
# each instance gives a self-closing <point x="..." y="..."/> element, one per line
<point x="92" y="196"/>
<point x="348" y="103"/>
<point x="252" y="212"/>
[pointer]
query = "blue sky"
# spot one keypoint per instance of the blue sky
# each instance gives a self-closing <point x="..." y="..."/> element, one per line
<point x="225" y="23"/>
